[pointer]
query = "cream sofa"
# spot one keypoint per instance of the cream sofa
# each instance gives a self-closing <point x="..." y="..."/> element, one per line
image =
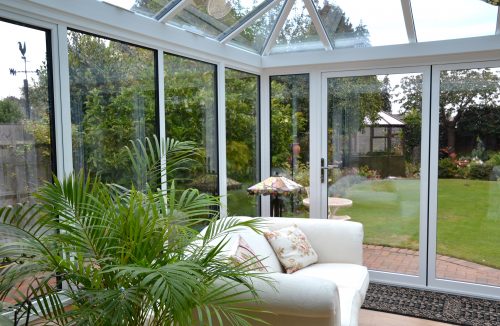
<point x="329" y="292"/>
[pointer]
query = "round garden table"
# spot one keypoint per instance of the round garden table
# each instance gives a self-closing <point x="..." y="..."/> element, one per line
<point x="334" y="203"/>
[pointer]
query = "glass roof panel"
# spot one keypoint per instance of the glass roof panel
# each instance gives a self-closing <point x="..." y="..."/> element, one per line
<point x="198" y="21"/>
<point x="145" y="7"/>
<point x="360" y="23"/>
<point x="212" y="17"/>
<point x="254" y="37"/>
<point x="298" y="32"/>
<point x="451" y="19"/>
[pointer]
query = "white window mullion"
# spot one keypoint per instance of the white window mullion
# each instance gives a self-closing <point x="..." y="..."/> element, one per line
<point x="62" y="101"/>
<point x="265" y="139"/>
<point x="316" y="109"/>
<point x="161" y="112"/>
<point x="221" y="116"/>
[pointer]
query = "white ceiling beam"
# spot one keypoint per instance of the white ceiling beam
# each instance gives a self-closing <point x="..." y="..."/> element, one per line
<point x="247" y="20"/>
<point x="318" y="25"/>
<point x="171" y="9"/>
<point x="409" y="21"/>
<point x="423" y="53"/>
<point x="278" y="26"/>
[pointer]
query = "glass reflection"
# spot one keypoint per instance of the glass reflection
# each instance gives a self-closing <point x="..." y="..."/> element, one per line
<point x="290" y="136"/>
<point x="242" y="105"/>
<point x="113" y="100"/>
<point x="27" y="160"/>
<point x="468" y="229"/>
<point x="191" y="115"/>
<point x="374" y="141"/>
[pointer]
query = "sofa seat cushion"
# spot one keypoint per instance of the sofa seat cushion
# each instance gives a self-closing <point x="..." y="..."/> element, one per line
<point x="344" y="275"/>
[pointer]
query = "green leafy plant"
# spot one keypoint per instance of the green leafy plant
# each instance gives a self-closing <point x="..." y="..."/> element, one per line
<point x="447" y="168"/>
<point x="125" y="256"/>
<point x="480" y="171"/>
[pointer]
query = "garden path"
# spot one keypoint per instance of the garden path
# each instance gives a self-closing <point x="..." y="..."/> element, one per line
<point x="399" y="260"/>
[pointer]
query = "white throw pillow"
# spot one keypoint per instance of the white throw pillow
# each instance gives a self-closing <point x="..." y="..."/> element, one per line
<point x="292" y="248"/>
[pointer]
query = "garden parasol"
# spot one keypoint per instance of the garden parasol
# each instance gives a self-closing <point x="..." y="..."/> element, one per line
<point x="275" y="186"/>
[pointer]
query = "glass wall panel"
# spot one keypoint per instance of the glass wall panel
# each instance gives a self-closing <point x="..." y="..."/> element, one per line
<point x="113" y="100"/>
<point x="290" y="136"/>
<point x="468" y="227"/>
<point x="242" y="114"/>
<point x="374" y="142"/>
<point x="26" y="119"/>
<point x="191" y="115"/>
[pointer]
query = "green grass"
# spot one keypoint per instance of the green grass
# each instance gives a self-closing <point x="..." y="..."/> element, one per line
<point x="468" y="216"/>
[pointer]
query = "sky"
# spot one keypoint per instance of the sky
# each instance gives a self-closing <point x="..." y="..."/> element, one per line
<point x="11" y="56"/>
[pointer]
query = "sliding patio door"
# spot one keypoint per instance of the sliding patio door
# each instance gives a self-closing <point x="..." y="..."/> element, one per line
<point x="464" y="233"/>
<point x="374" y="146"/>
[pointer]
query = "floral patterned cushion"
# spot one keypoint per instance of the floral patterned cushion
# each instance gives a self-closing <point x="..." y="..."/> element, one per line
<point x="243" y="254"/>
<point x="292" y="248"/>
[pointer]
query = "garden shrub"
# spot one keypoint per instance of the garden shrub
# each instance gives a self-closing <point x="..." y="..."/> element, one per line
<point x="447" y="169"/>
<point x="494" y="159"/>
<point x="412" y="170"/>
<point x="480" y="171"/>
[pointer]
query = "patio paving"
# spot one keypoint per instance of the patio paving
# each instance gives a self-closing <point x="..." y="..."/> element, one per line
<point x="399" y="260"/>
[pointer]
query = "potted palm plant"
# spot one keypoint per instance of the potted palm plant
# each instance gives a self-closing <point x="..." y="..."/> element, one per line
<point x="124" y="256"/>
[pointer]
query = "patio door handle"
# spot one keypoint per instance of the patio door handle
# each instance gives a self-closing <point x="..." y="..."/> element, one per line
<point x="325" y="167"/>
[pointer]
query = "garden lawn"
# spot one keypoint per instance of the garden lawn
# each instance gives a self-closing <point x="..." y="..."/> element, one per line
<point x="468" y="216"/>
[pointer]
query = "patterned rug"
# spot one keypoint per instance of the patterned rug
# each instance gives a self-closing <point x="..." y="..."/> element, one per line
<point x="442" y="307"/>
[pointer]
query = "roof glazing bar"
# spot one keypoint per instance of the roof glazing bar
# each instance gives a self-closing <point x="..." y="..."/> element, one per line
<point x="171" y="9"/>
<point x="278" y="26"/>
<point x="207" y="19"/>
<point x="497" y="31"/>
<point x="318" y="25"/>
<point x="409" y="21"/>
<point x="247" y="20"/>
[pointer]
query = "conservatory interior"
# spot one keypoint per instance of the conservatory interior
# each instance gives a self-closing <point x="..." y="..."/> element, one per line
<point x="387" y="112"/>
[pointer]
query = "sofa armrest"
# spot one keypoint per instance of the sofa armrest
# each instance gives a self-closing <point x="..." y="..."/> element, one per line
<point x="298" y="295"/>
<point x="334" y="241"/>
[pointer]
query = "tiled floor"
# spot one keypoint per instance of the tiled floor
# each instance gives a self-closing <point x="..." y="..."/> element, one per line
<point x="376" y="318"/>
<point x="405" y="261"/>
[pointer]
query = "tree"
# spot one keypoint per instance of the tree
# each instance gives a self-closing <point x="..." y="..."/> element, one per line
<point x="461" y="91"/>
<point x="482" y="122"/>
<point x="241" y="124"/>
<point x="113" y="101"/>
<point x="412" y="134"/>
<point x="10" y="111"/>
<point x="385" y="92"/>
<point x="352" y="102"/>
